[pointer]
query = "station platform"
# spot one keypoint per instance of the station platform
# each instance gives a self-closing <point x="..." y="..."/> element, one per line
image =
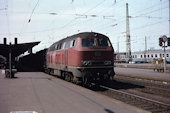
<point x="149" y="74"/>
<point x="140" y="66"/>
<point x="42" y="93"/>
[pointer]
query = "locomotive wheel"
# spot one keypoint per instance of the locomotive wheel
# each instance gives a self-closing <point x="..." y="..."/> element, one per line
<point x="48" y="71"/>
<point x="111" y="78"/>
<point x="86" y="81"/>
<point x="51" y="72"/>
<point x="68" y="77"/>
<point x="63" y="75"/>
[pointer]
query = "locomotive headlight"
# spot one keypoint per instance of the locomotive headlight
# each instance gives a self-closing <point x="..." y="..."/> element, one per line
<point x="108" y="62"/>
<point x="87" y="63"/>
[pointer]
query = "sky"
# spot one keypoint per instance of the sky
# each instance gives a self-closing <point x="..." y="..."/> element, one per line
<point x="51" y="20"/>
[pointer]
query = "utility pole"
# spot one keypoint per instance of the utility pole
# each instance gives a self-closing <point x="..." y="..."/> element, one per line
<point x="169" y="18"/>
<point x="145" y="43"/>
<point x="163" y="39"/>
<point x="145" y="49"/>
<point x="10" y="62"/>
<point x="164" y="57"/>
<point x="118" y="44"/>
<point x="128" y="44"/>
<point x="118" y="48"/>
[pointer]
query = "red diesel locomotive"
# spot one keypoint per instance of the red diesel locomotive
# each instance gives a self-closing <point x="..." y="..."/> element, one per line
<point x="85" y="57"/>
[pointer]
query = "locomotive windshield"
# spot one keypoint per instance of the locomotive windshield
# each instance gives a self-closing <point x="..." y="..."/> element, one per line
<point x="87" y="42"/>
<point x="90" y="42"/>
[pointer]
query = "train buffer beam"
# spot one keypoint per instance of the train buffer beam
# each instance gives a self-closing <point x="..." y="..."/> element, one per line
<point x="10" y="74"/>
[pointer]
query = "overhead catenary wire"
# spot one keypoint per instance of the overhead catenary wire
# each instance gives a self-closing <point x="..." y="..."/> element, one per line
<point x="94" y="7"/>
<point x="149" y="17"/>
<point x="99" y="15"/>
<point x="33" y="11"/>
<point x="150" y="7"/>
<point x="67" y="23"/>
<point x="25" y="23"/>
<point x="93" y="19"/>
<point x="3" y="5"/>
<point x="7" y="19"/>
<point x="89" y="10"/>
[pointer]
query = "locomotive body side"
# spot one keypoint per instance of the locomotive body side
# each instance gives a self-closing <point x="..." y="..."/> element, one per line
<point x="82" y="58"/>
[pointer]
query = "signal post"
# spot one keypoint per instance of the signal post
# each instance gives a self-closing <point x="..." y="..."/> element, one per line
<point x="164" y="42"/>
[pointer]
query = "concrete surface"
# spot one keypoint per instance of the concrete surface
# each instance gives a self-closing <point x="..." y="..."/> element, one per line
<point x="36" y="91"/>
<point x="140" y="66"/>
<point x="143" y="73"/>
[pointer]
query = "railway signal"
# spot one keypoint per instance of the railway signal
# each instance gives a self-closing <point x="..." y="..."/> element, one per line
<point x="169" y="41"/>
<point x="160" y="41"/>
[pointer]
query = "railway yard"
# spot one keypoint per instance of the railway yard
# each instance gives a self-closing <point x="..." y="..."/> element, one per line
<point x="85" y="56"/>
<point x="141" y="91"/>
<point x="78" y="75"/>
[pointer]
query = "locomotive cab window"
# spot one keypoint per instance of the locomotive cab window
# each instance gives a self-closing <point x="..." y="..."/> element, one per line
<point x="103" y="42"/>
<point x="72" y="43"/>
<point x="91" y="42"/>
<point x="56" y="46"/>
<point x="87" y="42"/>
<point x="63" y="45"/>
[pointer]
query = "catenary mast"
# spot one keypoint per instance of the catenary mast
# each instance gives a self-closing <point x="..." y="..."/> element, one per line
<point x="128" y="44"/>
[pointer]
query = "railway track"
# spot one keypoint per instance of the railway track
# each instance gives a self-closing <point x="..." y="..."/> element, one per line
<point x="124" y="92"/>
<point x="143" y="81"/>
<point x="155" y="88"/>
<point x="148" y="104"/>
<point x="156" y="91"/>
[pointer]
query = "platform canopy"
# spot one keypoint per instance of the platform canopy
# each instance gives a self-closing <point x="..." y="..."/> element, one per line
<point x="16" y="49"/>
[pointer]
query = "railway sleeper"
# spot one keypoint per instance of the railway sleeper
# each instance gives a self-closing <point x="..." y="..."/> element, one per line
<point x="146" y="106"/>
<point x="158" y="110"/>
<point x="136" y="102"/>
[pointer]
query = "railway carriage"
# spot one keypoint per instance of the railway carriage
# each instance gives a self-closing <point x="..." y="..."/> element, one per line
<point x="144" y="56"/>
<point x="85" y="57"/>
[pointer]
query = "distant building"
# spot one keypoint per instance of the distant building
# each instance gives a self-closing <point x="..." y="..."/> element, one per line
<point x="144" y="56"/>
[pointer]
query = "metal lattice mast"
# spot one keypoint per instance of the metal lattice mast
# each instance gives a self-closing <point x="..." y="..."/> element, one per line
<point x="169" y="18"/>
<point x="128" y="44"/>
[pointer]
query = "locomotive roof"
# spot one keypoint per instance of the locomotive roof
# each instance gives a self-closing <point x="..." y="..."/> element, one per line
<point x="83" y="34"/>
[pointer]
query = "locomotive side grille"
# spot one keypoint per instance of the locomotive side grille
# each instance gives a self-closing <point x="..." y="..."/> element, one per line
<point x="101" y="63"/>
<point x="97" y="62"/>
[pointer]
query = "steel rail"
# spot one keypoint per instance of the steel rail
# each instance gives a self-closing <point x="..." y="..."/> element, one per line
<point x="157" y="88"/>
<point x="146" y="85"/>
<point x="136" y="96"/>
<point x="147" y="79"/>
